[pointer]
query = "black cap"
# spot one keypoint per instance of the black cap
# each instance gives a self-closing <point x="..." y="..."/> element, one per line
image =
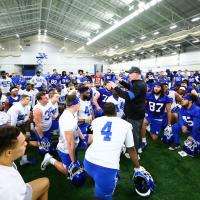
<point x="134" y="70"/>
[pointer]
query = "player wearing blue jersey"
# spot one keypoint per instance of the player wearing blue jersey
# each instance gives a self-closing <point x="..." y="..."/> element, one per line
<point x="54" y="80"/>
<point x="100" y="98"/>
<point x="158" y="110"/>
<point x="178" y="77"/>
<point x="191" y="78"/>
<point x="109" y="76"/>
<point x="65" y="79"/>
<point x="188" y="121"/>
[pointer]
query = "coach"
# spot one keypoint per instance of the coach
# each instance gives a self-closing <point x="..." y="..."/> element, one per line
<point x="134" y="107"/>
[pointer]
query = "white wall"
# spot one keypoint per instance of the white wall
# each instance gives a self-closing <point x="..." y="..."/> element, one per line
<point x="56" y="59"/>
<point x="189" y="61"/>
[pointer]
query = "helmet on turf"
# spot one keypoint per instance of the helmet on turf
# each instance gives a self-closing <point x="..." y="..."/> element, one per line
<point x="168" y="137"/>
<point x="191" y="147"/>
<point x="143" y="182"/>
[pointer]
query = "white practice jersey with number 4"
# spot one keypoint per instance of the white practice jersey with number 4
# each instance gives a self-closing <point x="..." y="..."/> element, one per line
<point x="67" y="122"/>
<point x="85" y="110"/>
<point x="110" y="134"/>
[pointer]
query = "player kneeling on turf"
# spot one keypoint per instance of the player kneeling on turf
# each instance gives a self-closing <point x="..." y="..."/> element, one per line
<point x="70" y="136"/>
<point x="101" y="162"/>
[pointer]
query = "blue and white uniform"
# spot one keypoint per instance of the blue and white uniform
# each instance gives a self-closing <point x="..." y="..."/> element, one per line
<point x="103" y="155"/>
<point x="5" y="85"/>
<point x="54" y="81"/>
<point x="39" y="82"/>
<point x="13" y="100"/>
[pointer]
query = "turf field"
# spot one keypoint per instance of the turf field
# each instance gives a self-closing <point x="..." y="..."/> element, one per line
<point x="176" y="178"/>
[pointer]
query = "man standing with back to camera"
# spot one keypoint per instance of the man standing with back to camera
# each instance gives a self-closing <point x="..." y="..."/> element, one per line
<point x="134" y="107"/>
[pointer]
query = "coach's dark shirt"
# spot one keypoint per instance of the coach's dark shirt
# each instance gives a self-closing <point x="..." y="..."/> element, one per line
<point x="134" y="107"/>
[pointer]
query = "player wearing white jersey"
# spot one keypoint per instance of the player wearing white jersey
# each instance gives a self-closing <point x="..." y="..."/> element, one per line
<point x="28" y="91"/>
<point x="43" y="121"/>
<point x="39" y="81"/>
<point x="68" y="139"/>
<point x="110" y="133"/>
<point x="118" y="102"/>
<point x="5" y="83"/>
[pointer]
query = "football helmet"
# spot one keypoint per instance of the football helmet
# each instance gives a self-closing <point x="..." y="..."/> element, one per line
<point x="77" y="173"/>
<point x="44" y="146"/>
<point x="191" y="147"/>
<point x="168" y="137"/>
<point x="143" y="182"/>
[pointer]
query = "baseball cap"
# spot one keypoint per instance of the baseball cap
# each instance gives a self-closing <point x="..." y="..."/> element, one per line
<point x="134" y="70"/>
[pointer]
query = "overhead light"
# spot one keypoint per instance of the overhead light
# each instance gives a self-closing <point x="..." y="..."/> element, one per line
<point x="132" y="41"/>
<point x="3" y="48"/>
<point x="174" y="53"/>
<point x="142" y="52"/>
<point x="177" y="45"/>
<point x="156" y="33"/>
<point x="20" y="46"/>
<point x="143" y="37"/>
<point x="39" y="31"/>
<point x="65" y="38"/>
<point x="124" y="20"/>
<point x="151" y="50"/>
<point x="173" y="26"/>
<point x="111" y="49"/>
<point x="126" y="56"/>
<point x="195" y="19"/>
<point x="163" y="48"/>
<point x="81" y="48"/>
<point x="133" y="54"/>
<point x="116" y="46"/>
<point x="17" y="35"/>
<point x="196" y="41"/>
<point x="131" y="8"/>
<point x="120" y="57"/>
<point x="45" y="31"/>
<point x="127" y="1"/>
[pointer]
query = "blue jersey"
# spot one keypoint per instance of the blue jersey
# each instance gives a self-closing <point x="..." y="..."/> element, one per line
<point x="156" y="107"/>
<point x="15" y="80"/>
<point x="178" y="78"/>
<point x="191" y="79"/>
<point x="191" y="119"/>
<point x="109" y="77"/>
<point x="13" y="100"/>
<point x="54" y="80"/>
<point x="104" y="94"/>
<point x="65" y="79"/>
<point x="22" y="83"/>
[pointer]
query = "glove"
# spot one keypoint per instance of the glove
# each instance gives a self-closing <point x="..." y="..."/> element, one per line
<point x="140" y="169"/>
<point x="168" y="130"/>
<point x="89" y="130"/>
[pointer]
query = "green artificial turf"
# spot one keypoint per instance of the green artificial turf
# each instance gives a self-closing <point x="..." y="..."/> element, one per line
<point x="176" y="178"/>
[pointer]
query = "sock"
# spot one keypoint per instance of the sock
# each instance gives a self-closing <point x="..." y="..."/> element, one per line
<point x="52" y="161"/>
<point x="144" y="140"/>
<point x="24" y="157"/>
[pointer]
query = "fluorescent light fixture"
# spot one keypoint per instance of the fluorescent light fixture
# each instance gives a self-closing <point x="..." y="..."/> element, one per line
<point x="124" y="20"/>
<point x="45" y="31"/>
<point x="174" y="53"/>
<point x="127" y="1"/>
<point x="131" y="8"/>
<point x="116" y="46"/>
<point x="133" y="54"/>
<point x="65" y="38"/>
<point x="156" y="33"/>
<point x="151" y="50"/>
<point x="163" y="48"/>
<point x="177" y="45"/>
<point x="120" y="57"/>
<point x="126" y="55"/>
<point x="20" y="46"/>
<point x="196" y="41"/>
<point x="3" y="48"/>
<point x="195" y="19"/>
<point x="143" y="37"/>
<point x="17" y="35"/>
<point x="81" y="48"/>
<point x="132" y="41"/>
<point x="173" y="26"/>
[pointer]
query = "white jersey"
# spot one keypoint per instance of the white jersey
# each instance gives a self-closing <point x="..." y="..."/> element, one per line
<point x="3" y="100"/>
<point x="53" y="108"/>
<point x="119" y="105"/>
<point x="85" y="111"/>
<point x="109" y="136"/>
<point x="20" y="92"/>
<point x="67" y="122"/>
<point x="18" y="114"/>
<point x="172" y="97"/>
<point x="62" y="97"/>
<point x="4" y="118"/>
<point x="5" y="85"/>
<point x="38" y="81"/>
<point x="46" y="116"/>
<point x="34" y="93"/>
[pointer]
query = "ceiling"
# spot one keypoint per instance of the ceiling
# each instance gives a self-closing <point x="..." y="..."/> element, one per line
<point x="79" y="21"/>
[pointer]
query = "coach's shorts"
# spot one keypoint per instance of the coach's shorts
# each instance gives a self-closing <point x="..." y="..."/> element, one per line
<point x="28" y="195"/>
<point x="65" y="158"/>
<point x="156" y="124"/>
<point x="105" y="179"/>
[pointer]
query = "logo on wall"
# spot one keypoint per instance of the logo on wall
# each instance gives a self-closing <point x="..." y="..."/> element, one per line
<point x="40" y="59"/>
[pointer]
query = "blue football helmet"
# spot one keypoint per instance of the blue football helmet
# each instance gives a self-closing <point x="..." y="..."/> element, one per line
<point x="191" y="147"/>
<point x="143" y="183"/>
<point x="44" y="146"/>
<point x="77" y="173"/>
<point x="168" y="137"/>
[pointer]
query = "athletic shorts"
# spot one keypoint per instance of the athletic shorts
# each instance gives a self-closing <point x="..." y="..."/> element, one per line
<point x="28" y="195"/>
<point x="65" y="158"/>
<point x="105" y="179"/>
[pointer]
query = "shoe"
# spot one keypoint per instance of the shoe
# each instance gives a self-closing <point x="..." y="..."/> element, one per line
<point x="174" y="147"/>
<point x="140" y="150"/>
<point x="143" y="145"/>
<point x="25" y="160"/>
<point x="46" y="161"/>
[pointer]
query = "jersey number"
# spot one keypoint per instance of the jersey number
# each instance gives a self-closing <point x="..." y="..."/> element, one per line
<point x="105" y="97"/>
<point x="155" y="107"/>
<point x="87" y="111"/>
<point x="106" y="131"/>
<point x="188" y="120"/>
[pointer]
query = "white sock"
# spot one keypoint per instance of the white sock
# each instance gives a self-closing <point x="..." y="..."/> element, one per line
<point x="24" y="157"/>
<point x="144" y="140"/>
<point x="52" y="161"/>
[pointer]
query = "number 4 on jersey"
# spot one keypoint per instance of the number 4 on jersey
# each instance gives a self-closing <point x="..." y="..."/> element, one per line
<point x="106" y="131"/>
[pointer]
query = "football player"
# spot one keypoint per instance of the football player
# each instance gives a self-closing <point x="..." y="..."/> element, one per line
<point x="38" y="81"/>
<point x="5" y="83"/>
